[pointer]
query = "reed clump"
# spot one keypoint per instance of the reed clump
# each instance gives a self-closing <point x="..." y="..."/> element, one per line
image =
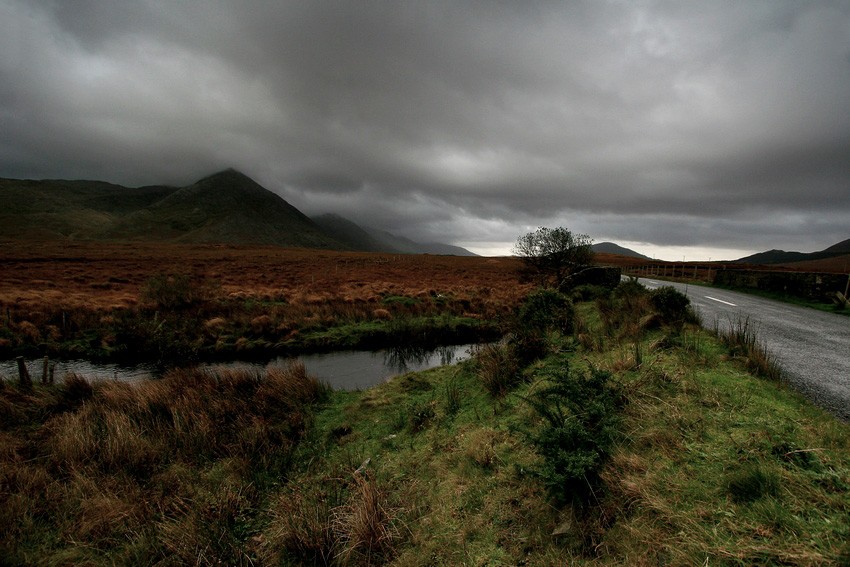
<point x="742" y="340"/>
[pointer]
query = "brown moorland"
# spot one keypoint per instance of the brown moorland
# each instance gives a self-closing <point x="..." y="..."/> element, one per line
<point x="110" y="275"/>
<point x="165" y="303"/>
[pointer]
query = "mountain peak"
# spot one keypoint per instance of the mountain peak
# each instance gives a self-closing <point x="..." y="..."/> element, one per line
<point x="228" y="173"/>
<point x="612" y="248"/>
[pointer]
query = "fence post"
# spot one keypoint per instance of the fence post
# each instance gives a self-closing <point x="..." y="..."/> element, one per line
<point x="44" y="370"/>
<point x="23" y="374"/>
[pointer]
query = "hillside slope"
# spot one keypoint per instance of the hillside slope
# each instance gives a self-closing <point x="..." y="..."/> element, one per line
<point x="351" y="234"/>
<point x="407" y="246"/>
<point x="51" y="209"/>
<point x="227" y="207"/>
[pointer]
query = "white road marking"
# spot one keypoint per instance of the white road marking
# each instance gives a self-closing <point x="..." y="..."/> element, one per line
<point x="720" y="300"/>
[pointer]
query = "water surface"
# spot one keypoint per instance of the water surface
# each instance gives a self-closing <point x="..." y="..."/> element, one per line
<point x="347" y="370"/>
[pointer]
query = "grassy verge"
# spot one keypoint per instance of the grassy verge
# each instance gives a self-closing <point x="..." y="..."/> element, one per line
<point x="672" y="452"/>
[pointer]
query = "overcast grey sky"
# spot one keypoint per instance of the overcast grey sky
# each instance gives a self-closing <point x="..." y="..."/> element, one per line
<point x="696" y="129"/>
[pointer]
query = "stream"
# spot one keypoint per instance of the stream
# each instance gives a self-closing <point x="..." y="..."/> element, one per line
<point x="345" y="370"/>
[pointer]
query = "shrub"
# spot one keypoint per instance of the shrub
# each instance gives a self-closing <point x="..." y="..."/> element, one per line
<point x="546" y="310"/>
<point x="624" y="309"/>
<point x="526" y="346"/>
<point x="630" y="291"/>
<point x="671" y="304"/>
<point x="580" y="414"/>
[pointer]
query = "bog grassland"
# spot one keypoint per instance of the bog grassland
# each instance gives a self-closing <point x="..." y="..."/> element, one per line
<point x="606" y="428"/>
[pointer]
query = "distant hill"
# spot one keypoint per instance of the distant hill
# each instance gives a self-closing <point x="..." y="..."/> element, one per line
<point x="611" y="248"/>
<point x="226" y="207"/>
<point x="783" y="257"/>
<point x="839" y="249"/>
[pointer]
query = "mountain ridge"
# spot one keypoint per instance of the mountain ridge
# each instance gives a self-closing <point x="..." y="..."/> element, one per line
<point x="227" y="207"/>
<point x="782" y="257"/>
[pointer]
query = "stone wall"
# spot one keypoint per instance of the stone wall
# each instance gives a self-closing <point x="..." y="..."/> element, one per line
<point x="811" y="285"/>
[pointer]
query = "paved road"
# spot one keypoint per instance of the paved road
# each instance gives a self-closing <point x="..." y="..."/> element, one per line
<point x="812" y="347"/>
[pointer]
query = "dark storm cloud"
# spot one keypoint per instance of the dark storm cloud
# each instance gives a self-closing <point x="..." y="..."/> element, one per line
<point x="723" y="124"/>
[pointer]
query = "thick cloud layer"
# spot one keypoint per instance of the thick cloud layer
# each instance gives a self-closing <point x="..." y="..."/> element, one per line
<point x="719" y="126"/>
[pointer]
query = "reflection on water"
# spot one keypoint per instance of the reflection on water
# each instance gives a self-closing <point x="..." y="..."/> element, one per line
<point x="349" y="370"/>
<point x="89" y="370"/>
<point x="359" y="370"/>
<point x="407" y="359"/>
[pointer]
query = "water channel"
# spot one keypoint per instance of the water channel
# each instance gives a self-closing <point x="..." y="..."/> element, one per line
<point x="346" y="370"/>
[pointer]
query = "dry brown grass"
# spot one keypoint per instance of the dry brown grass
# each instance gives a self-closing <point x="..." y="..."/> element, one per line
<point x="300" y="528"/>
<point x="39" y="274"/>
<point x="173" y="462"/>
<point x="353" y="521"/>
<point x="227" y="298"/>
<point x="366" y="527"/>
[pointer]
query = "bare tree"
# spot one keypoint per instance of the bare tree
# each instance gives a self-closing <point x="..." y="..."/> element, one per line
<point x="551" y="254"/>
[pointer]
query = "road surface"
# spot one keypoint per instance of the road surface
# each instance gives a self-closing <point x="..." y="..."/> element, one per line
<point x="812" y="347"/>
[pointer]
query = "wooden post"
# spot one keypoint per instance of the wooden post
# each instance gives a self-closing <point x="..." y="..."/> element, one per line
<point x="52" y="370"/>
<point x="44" y="370"/>
<point x="23" y="374"/>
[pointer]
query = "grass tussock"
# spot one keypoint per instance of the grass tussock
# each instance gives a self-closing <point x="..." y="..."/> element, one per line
<point x="743" y="343"/>
<point x="498" y="369"/>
